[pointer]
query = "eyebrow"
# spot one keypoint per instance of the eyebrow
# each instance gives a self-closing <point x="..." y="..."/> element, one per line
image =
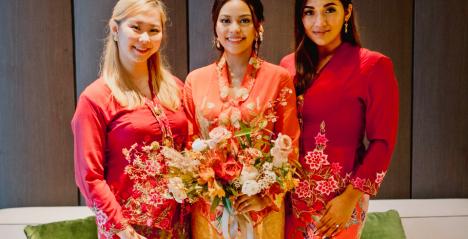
<point x="152" y="25"/>
<point x="245" y="15"/>
<point x="326" y="5"/>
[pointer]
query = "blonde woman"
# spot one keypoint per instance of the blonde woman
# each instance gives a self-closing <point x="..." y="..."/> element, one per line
<point x="133" y="107"/>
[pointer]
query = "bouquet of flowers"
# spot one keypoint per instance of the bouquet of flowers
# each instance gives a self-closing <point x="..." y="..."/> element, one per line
<point x="237" y="157"/>
<point x="229" y="163"/>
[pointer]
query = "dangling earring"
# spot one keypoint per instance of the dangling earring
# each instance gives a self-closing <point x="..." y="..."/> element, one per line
<point x="346" y="27"/>
<point x="258" y="40"/>
<point x="216" y="43"/>
<point x="257" y="45"/>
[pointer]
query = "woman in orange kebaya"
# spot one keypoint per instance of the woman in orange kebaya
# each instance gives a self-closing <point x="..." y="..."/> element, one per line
<point x="345" y="93"/>
<point x="238" y="87"/>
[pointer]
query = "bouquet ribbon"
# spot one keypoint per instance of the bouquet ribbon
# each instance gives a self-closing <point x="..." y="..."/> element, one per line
<point x="233" y="223"/>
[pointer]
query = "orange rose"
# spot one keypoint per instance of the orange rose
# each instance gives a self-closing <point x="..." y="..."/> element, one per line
<point x="228" y="170"/>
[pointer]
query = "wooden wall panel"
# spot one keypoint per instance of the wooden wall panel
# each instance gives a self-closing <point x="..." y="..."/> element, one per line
<point x="279" y="30"/>
<point x="90" y="21"/>
<point x="386" y="26"/>
<point x="200" y="34"/>
<point x="440" y="129"/>
<point x="176" y="46"/>
<point x="36" y="103"/>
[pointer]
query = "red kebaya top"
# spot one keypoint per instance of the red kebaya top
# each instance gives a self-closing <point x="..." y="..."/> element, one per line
<point x="355" y="96"/>
<point x="103" y="130"/>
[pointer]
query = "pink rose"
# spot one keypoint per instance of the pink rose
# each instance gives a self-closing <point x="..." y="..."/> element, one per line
<point x="219" y="134"/>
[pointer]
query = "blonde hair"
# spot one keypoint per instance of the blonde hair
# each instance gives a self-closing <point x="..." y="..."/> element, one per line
<point x="123" y="89"/>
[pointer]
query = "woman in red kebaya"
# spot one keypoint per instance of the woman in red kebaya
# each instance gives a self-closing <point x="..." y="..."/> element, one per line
<point x="345" y="93"/>
<point x="121" y="119"/>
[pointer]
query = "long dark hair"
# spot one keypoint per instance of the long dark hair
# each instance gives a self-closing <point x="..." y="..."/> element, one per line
<point x="256" y="9"/>
<point x="306" y="53"/>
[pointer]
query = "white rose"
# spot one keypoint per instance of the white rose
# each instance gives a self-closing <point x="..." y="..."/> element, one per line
<point x="199" y="145"/>
<point x="248" y="173"/>
<point x="283" y="142"/>
<point x="250" y="188"/>
<point x="281" y="150"/>
<point x="176" y="188"/>
<point x="279" y="157"/>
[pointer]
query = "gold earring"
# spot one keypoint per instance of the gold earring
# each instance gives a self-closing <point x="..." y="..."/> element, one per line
<point x="216" y="43"/>
<point x="346" y="27"/>
<point x="257" y="45"/>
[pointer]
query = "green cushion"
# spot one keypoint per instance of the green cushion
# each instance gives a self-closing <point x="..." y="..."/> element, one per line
<point x="77" y="229"/>
<point x="379" y="225"/>
<point x="383" y="225"/>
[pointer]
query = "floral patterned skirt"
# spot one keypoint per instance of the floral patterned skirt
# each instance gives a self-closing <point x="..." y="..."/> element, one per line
<point x="178" y="232"/>
<point x="305" y="225"/>
<point x="179" y="228"/>
<point x="270" y="227"/>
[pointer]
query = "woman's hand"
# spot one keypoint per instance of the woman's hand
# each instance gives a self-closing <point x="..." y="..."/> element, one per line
<point x="338" y="212"/>
<point x="246" y="203"/>
<point x="129" y="233"/>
